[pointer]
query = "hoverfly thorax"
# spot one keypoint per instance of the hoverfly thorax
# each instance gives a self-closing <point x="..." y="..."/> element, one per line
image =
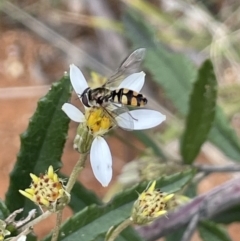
<point x="96" y="97"/>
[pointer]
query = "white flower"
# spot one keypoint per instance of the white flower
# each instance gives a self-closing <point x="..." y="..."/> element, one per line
<point x="99" y="123"/>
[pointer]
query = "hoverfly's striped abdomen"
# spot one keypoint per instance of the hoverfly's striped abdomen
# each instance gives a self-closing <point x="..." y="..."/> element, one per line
<point x="128" y="97"/>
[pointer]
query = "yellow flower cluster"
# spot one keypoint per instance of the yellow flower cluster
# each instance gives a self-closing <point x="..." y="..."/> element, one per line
<point x="46" y="190"/>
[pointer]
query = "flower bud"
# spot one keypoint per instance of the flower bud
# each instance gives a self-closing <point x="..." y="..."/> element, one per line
<point x="150" y="205"/>
<point x="3" y="231"/>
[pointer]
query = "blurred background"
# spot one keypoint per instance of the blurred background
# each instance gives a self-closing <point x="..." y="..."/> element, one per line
<point x="39" y="39"/>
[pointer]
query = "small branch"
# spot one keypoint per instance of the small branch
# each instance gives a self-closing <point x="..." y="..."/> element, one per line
<point x="12" y="216"/>
<point x="225" y="168"/>
<point x="23" y="233"/>
<point x="76" y="170"/>
<point x="207" y="205"/>
<point x="119" y="229"/>
<point x="57" y="228"/>
<point x="190" y="228"/>
<point x="36" y="220"/>
<point x="31" y="214"/>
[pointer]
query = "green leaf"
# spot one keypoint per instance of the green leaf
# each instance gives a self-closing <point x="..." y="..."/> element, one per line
<point x="176" y="235"/>
<point x="149" y="142"/>
<point x="96" y="220"/>
<point x="41" y="144"/>
<point x="201" y="114"/>
<point x="81" y="197"/>
<point x="223" y="136"/>
<point x="211" y="231"/>
<point x="176" y="74"/>
<point x="4" y="212"/>
<point x="229" y="216"/>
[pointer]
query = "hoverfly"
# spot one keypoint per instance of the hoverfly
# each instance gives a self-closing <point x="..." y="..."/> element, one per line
<point x="104" y="95"/>
<point x="115" y="100"/>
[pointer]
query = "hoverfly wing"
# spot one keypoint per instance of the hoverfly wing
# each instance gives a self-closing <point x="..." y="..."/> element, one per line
<point x="129" y="66"/>
<point x="121" y="116"/>
<point x="133" y="61"/>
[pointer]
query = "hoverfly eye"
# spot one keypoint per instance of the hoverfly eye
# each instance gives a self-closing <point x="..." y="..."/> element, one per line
<point x="85" y="100"/>
<point x="145" y="101"/>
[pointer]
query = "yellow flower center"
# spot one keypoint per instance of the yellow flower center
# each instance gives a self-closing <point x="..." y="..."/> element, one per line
<point x="98" y="121"/>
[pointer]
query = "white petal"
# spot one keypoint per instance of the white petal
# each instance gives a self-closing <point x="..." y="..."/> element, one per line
<point x="78" y="81"/>
<point x="125" y="121"/>
<point x="144" y="119"/>
<point x="73" y="112"/>
<point x="101" y="161"/>
<point x="22" y="238"/>
<point x="133" y="82"/>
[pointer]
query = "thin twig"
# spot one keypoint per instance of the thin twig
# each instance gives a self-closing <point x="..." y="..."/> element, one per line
<point x="119" y="229"/>
<point x="223" y="168"/>
<point x="57" y="227"/>
<point x="23" y="92"/>
<point x="31" y="214"/>
<point x="76" y="170"/>
<point x="190" y="228"/>
<point x="36" y="220"/>
<point x="23" y="233"/>
<point x="12" y="216"/>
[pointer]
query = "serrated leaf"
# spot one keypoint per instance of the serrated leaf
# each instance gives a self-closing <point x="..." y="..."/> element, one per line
<point x="229" y="216"/>
<point x="224" y="136"/>
<point x="201" y="114"/>
<point x="96" y="220"/>
<point x="81" y="197"/>
<point x="175" y="73"/>
<point x="212" y="231"/>
<point x="41" y="144"/>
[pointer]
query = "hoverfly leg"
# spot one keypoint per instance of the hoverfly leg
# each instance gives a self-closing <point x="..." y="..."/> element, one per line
<point x="132" y="117"/>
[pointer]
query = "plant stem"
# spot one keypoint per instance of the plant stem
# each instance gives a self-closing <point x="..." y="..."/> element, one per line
<point x="223" y="168"/>
<point x="72" y="179"/>
<point x="119" y="229"/>
<point x="76" y="170"/>
<point x="58" y="224"/>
